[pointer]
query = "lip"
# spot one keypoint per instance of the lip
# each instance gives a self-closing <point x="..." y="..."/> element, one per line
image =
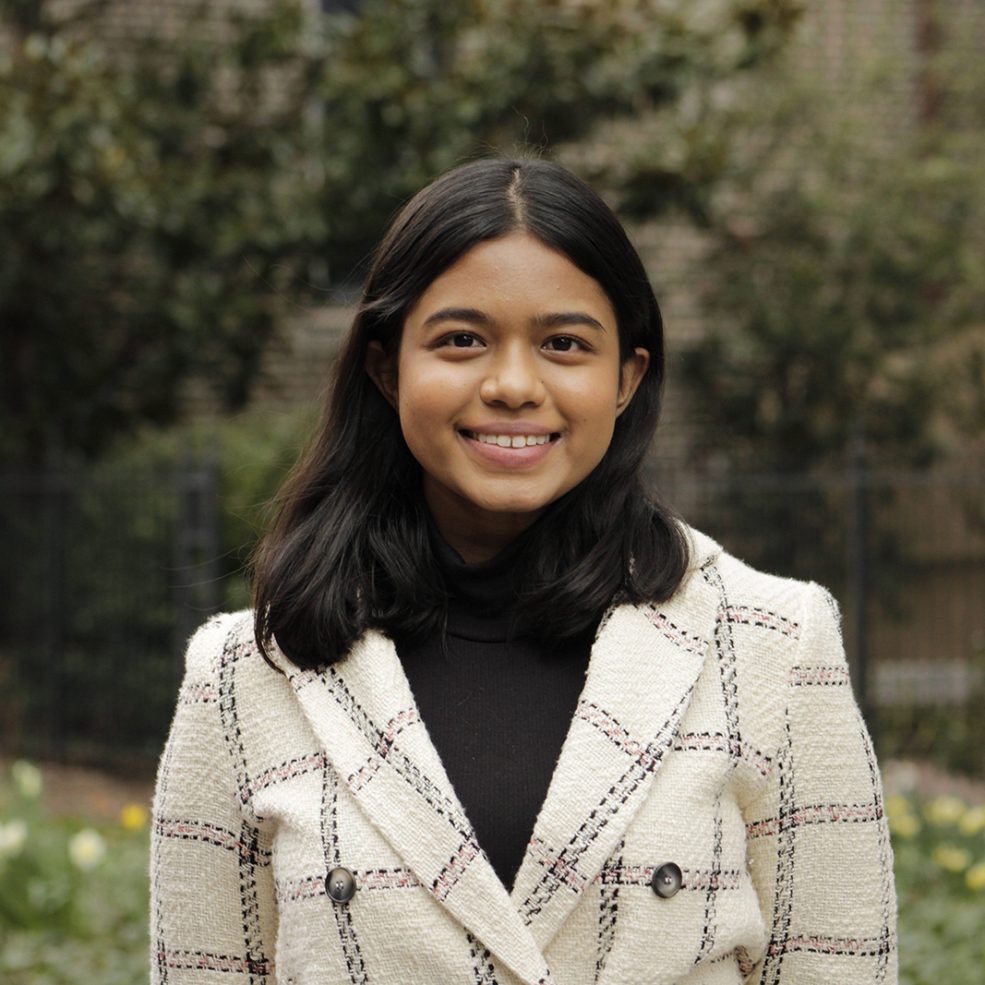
<point x="509" y="427"/>
<point x="513" y="458"/>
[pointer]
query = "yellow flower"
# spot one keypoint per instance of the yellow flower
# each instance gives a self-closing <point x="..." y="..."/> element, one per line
<point x="27" y="779"/>
<point x="973" y="820"/>
<point x="134" y="817"/>
<point x="13" y="834"/>
<point x="35" y="47"/>
<point x="951" y="858"/>
<point x="945" y="810"/>
<point x="975" y="877"/>
<point x="897" y="806"/>
<point x="904" y="825"/>
<point x="86" y="849"/>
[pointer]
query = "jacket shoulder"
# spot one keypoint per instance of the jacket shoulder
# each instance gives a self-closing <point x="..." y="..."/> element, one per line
<point x="250" y="706"/>
<point x="740" y="584"/>
<point x="212" y="638"/>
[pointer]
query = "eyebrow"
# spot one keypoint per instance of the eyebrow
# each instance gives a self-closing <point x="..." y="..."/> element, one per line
<point x="554" y="320"/>
<point x="471" y="315"/>
<point x="562" y="318"/>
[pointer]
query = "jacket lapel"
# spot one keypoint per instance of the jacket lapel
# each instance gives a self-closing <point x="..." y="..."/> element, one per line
<point x="362" y="711"/>
<point x="642" y="672"/>
<point x="643" y="668"/>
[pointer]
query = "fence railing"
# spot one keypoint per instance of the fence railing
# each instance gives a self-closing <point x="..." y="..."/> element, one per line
<point x="104" y="573"/>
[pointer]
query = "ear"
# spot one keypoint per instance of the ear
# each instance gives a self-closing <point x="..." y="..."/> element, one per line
<point x="382" y="370"/>
<point x="631" y="374"/>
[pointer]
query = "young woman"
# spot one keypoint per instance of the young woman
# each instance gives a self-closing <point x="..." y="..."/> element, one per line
<point x="497" y="716"/>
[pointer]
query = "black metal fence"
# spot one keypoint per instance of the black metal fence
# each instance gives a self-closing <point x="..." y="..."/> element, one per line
<point x="104" y="573"/>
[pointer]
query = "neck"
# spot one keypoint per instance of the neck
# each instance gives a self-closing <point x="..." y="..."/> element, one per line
<point x="480" y="542"/>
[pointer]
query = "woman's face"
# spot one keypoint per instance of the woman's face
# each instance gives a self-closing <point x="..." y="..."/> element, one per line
<point x="508" y="384"/>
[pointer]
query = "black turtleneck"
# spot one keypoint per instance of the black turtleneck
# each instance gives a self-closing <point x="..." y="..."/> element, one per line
<point x="496" y="704"/>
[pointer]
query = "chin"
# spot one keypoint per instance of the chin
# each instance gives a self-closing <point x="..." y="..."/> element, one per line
<point x="517" y="504"/>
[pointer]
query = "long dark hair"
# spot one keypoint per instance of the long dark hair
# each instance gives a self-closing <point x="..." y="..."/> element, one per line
<point x="349" y="548"/>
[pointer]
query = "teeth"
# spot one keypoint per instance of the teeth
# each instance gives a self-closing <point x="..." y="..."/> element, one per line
<point x="511" y="440"/>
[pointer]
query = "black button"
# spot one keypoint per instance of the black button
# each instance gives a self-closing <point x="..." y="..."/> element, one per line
<point x="667" y="880"/>
<point x="340" y="885"/>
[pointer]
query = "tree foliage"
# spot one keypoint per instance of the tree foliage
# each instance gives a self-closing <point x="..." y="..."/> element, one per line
<point x="412" y="87"/>
<point x="149" y="221"/>
<point x="845" y="284"/>
<point x="842" y="297"/>
<point x="162" y="204"/>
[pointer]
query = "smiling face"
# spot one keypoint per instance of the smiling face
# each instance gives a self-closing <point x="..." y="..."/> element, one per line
<point x="508" y="384"/>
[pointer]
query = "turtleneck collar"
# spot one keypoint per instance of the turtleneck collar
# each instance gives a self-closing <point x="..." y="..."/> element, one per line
<point x="482" y="596"/>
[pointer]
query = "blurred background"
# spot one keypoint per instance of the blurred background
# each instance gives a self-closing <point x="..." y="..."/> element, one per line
<point x="188" y="196"/>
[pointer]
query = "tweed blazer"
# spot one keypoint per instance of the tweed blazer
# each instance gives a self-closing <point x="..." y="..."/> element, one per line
<point x="716" y="732"/>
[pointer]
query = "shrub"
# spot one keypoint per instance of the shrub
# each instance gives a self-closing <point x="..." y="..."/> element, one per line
<point x="73" y="895"/>
<point x="940" y="881"/>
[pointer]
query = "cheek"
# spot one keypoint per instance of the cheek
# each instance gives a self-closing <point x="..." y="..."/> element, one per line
<point x="430" y="390"/>
<point x="427" y="410"/>
<point x="419" y="423"/>
<point x="592" y="408"/>
<point x="592" y="433"/>
<point x="598" y="437"/>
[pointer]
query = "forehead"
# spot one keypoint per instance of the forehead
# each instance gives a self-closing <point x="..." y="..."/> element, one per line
<point x="518" y="272"/>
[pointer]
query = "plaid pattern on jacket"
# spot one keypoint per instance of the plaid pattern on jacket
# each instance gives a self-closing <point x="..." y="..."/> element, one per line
<point x="716" y="731"/>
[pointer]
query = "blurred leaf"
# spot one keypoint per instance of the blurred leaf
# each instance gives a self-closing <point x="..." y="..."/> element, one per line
<point x="844" y="290"/>
<point x="152" y="221"/>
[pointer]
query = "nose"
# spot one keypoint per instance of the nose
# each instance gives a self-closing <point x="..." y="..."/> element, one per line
<point x="513" y="379"/>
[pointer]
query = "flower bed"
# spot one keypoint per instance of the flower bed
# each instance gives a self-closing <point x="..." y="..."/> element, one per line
<point x="73" y="895"/>
<point x="940" y="880"/>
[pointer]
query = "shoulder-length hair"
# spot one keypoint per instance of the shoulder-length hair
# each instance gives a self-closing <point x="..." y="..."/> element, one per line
<point x="349" y="547"/>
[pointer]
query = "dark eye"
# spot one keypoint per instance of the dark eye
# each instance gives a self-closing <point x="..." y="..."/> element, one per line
<point x="463" y="340"/>
<point x="563" y="343"/>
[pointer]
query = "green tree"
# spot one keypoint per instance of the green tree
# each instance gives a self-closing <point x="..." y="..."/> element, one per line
<point x="845" y="286"/>
<point x="412" y="87"/>
<point x="153" y="212"/>
<point x="843" y="301"/>
<point x="160" y="208"/>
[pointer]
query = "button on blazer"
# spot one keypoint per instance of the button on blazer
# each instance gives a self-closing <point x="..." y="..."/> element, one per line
<point x="715" y="815"/>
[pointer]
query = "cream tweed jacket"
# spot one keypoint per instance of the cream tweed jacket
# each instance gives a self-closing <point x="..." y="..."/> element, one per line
<point x="716" y="731"/>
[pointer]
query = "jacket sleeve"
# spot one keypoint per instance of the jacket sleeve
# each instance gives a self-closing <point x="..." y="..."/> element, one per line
<point x="213" y="908"/>
<point x="818" y="842"/>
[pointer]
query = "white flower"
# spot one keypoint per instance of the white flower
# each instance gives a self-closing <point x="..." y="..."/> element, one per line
<point x="13" y="834"/>
<point x="35" y="47"/>
<point x="900" y="776"/>
<point x="27" y="779"/>
<point x="86" y="849"/>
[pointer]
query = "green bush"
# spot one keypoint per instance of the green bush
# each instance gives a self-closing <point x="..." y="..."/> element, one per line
<point x="99" y="563"/>
<point x="940" y="882"/>
<point x="155" y="215"/>
<point x="73" y="895"/>
<point x="252" y="453"/>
